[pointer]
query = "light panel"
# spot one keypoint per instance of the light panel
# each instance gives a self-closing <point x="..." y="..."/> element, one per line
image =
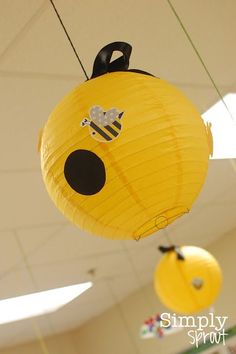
<point x="223" y="127"/>
<point x="36" y="304"/>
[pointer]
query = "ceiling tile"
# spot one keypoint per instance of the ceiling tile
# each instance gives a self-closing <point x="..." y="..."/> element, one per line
<point x="45" y="48"/>
<point x="25" y="106"/>
<point x="215" y="37"/>
<point x="14" y="18"/>
<point x="36" y="238"/>
<point x="16" y="283"/>
<point x="55" y="275"/>
<point x="24" y="201"/>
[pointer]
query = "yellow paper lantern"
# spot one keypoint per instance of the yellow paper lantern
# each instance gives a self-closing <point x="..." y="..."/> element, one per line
<point x="188" y="279"/>
<point x="125" y="153"/>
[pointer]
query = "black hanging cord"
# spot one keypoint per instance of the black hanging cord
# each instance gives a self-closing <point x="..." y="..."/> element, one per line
<point x="176" y="249"/>
<point x="67" y="34"/>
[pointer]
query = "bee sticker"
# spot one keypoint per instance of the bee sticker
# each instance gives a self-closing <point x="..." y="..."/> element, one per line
<point x="103" y="126"/>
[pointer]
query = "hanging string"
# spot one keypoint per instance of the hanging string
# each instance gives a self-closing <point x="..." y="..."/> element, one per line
<point x="199" y="57"/>
<point x="36" y="327"/>
<point x="118" y="306"/>
<point x="69" y="39"/>
<point x="122" y="316"/>
<point x="167" y="237"/>
<point x="147" y="302"/>
<point x="233" y="164"/>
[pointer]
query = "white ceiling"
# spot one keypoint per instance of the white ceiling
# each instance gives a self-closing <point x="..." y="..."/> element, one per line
<point x="39" y="249"/>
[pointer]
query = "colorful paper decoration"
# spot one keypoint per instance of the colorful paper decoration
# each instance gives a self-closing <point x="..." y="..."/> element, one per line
<point x="155" y="327"/>
<point x="187" y="279"/>
<point x="125" y="153"/>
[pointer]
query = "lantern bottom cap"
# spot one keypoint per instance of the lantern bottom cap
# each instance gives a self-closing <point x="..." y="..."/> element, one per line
<point x="160" y="221"/>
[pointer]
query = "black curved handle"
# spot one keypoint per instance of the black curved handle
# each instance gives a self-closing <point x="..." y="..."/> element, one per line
<point x="103" y="64"/>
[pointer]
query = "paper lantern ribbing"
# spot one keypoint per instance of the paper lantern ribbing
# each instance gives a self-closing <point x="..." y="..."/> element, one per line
<point x="188" y="279"/>
<point x="125" y="153"/>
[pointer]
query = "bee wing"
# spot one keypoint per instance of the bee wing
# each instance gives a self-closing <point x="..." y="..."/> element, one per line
<point x="111" y="115"/>
<point x="97" y="115"/>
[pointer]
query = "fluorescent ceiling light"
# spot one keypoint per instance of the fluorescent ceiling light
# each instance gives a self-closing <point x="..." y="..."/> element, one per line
<point x="223" y="127"/>
<point x="36" y="304"/>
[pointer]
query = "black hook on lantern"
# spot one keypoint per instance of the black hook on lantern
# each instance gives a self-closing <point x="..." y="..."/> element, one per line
<point x="176" y="249"/>
<point x="103" y="64"/>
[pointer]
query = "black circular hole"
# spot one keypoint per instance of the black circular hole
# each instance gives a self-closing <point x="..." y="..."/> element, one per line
<point x="85" y="172"/>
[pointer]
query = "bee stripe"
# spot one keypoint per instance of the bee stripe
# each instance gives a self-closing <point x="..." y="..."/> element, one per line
<point x="112" y="131"/>
<point x="117" y="124"/>
<point x="100" y="131"/>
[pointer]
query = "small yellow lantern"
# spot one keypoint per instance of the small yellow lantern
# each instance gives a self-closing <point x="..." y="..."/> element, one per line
<point x="187" y="279"/>
<point x="125" y="153"/>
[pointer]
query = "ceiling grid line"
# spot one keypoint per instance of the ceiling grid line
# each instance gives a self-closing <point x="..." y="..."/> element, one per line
<point x="40" y="75"/>
<point x="34" y="226"/>
<point x="24" y="30"/>
<point x="15" y="267"/>
<point x="199" y="57"/>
